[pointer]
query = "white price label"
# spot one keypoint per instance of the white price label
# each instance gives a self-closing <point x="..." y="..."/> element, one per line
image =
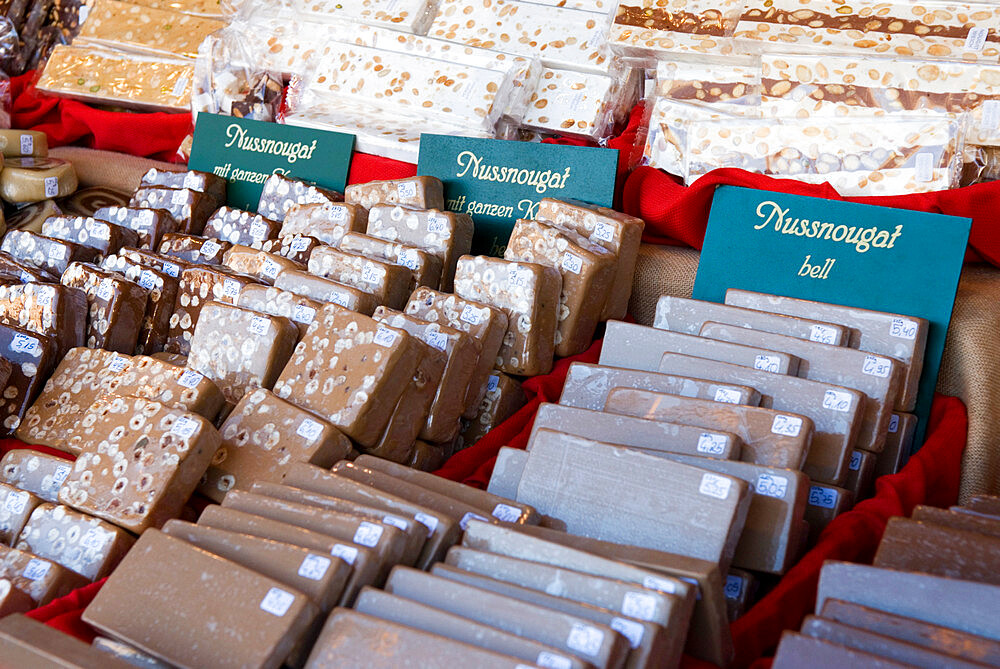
<point x="585" y="639"/>
<point x="572" y="263"/>
<point x="27" y="145"/>
<point x="767" y="363"/>
<point x="876" y="366"/>
<point x="772" y="485"/>
<point x="438" y="340"/>
<point x="99" y="230"/>
<point x="179" y="197"/>
<point x="837" y="400"/>
<point x="338" y="213"/>
<point x="258" y="231"/>
<point x="428" y="521"/>
<point x="506" y="513"/>
<point x="22" y="343"/>
<point x="630" y="629"/>
<point x="715" y="486"/>
<point x="189" y="379"/>
<point x="977" y="38"/>
<point x="855" y="463"/>
<point x="145" y="217"/>
<point x="105" y="290"/>
<point x="25" y="277"/>
<point x="314" y="567"/>
<point x="171" y="269"/>
<point x="94" y="539"/>
<point x="341" y="299"/>
<point x="43" y="296"/>
<point x="551" y="660"/>
<point x="180" y="87"/>
<point x="277" y="601"/>
<point x="518" y="276"/>
<point x="231" y="288"/>
<point x="894" y="423"/>
<point x="641" y="605"/>
<point x="712" y="444"/>
<point x="16" y="501"/>
<point x="51" y="186"/>
<point x="346" y="553"/>
<point x="210" y="248"/>
<point x="659" y="584"/>
<point x="147" y="280"/>
<point x="396" y="522"/>
<point x="492" y="383"/>
<point x="184" y="427"/>
<point x="60" y="474"/>
<point x="368" y="534"/>
<point x="925" y="166"/>
<point x="406" y="189"/>
<point x="903" y="328"/>
<point x="789" y="426"/>
<point x="303" y="314"/>
<point x="603" y="232"/>
<point x="734" y="587"/>
<point x="408" y="258"/>
<point x="991" y="115"/>
<point x="117" y="364"/>
<point x="823" y="334"/>
<point x="437" y="225"/>
<point x="825" y="498"/>
<point x="471" y="315"/>
<point x="372" y="274"/>
<point x="727" y="395"/>
<point x="259" y="325"/>
<point x="385" y="337"/>
<point x="299" y="244"/>
<point x="309" y="429"/>
<point x="36" y="569"/>
<point x="192" y="181"/>
<point x="464" y="523"/>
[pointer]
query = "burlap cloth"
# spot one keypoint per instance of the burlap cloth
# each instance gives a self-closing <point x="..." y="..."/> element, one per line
<point x="969" y="370"/>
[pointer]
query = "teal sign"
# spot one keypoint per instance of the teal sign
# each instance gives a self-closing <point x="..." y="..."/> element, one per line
<point x="497" y="182"/>
<point x="894" y="260"/>
<point x="246" y="153"/>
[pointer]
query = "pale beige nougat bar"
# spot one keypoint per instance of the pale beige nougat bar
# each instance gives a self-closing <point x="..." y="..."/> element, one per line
<point x="326" y="222"/>
<point x="425" y="267"/>
<point x="89" y="546"/>
<point x="388" y="283"/>
<point x="421" y="192"/>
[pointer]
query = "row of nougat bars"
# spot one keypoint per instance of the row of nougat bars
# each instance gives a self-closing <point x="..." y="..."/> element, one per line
<point x="882" y="614"/>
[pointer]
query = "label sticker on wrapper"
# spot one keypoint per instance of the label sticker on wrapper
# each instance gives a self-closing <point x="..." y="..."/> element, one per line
<point x="314" y="567"/>
<point x="659" y="584"/>
<point x="492" y="383"/>
<point x="231" y="288"/>
<point x="585" y="639"/>
<point x="209" y="248"/>
<point x="727" y="395"/>
<point x="51" y="186"/>
<point x="385" y="337"/>
<point x="822" y="334"/>
<point x="715" y="486"/>
<point x="190" y="379"/>
<point x="171" y="269"/>
<point x="789" y="426"/>
<point x="147" y="280"/>
<point x="299" y="244"/>
<point x="464" y="523"/>
<point x="771" y="485"/>
<point x="903" y="328"/>
<point x="16" y="501"/>
<point x="346" y="553"/>
<point x="506" y="513"/>
<point x="925" y="166"/>
<point x="438" y="340"/>
<point x="60" y="474"/>
<point x="713" y="444"/>
<point x="277" y="601"/>
<point x="117" y="364"/>
<point x="603" y="232"/>
<point x="36" y="569"/>
<point x="428" y="521"/>
<point x="94" y="539"/>
<point x="550" y="660"/>
<point x="184" y="427"/>
<point x="259" y="325"/>
<point x="894" y="423"/>
<point x="303" y="314"/>
<point x="991" y="114"/>
<point x="767" y="363"/>
<point x="407" y="189"/>
<point x="395" y="521"/>
<point x="630" y="629"/>
<point x="368" y="534"/>
<point x="572" y="263"/>
<point x="825" y="498"/>
<point x="408" y="259"/>
<point x="179" y="89"/>
<point x="309" y="429"/>
<point x="437" y="224"/>
<point x="471" y="315"/>
<point x="837" y="400"/>
<point x="855" y="463"/>
<point x="641" y="605"/>
<point x="192" y="181"/>
<point x="106" y="290"/>
<point x="258" y="230"/>
<point x="976" y="39"/>
<point x="179" y="197"/>
<point x="876" y="366"/>
<point x="734" y="587"/>
<point x="22" y="343"/>
<point x="27" y="145"/>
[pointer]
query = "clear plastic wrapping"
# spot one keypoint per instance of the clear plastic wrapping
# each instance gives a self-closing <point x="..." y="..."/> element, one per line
<point x="209" y="8"/>
<point x="123" y="25"/>
<point x="903" y="154"/>
<point x="578" y="104"/>
<point x="982" y="163"/>
<point x="968" y="31"/>
<point x="644" y="31"/>
<point x="411" y="16"/>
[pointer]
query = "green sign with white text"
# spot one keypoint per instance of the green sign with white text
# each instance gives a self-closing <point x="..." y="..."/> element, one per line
<point x="246" y="153"/>
<point x="497" y="182"/>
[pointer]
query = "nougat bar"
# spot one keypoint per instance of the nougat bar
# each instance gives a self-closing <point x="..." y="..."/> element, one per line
<point x="89" y="546"/>
<point x="365" y="566"/>
<point x="898" y="443"/>
<point x="529" y="294"/>
<point x="860" y="474"/>
<point x="25" y="642"/>
<point x="679" y="314"/>
<point x="133" y="656"/>
<point x="166" y="264"/>
<point x="241" y="227"/>
<point x="39" y="473"/>
<point x="587" y="271"/>
<point x="797" y="650"/>
<point x="150" y="224"/>
<point x="162" y="298"/>
<point x="634" y="346"/>
<point x="326" y="290"/>
<point x="264" y="266"/>
<point x="42" y="580"/>
<point x="168" y="384"/>
<point x="106" y="237"/>
<point x="386" y="282"/>
<point x="835" y="411"/>
<point x="139" y="461"/>
<point x="652" y="436"/>
<point x="320" y="577"/>
<point x="262" y="437"/>
<point x="593" y="642"/>
<point x="28" y="358"/>
<point x="13" y="601"/>
<point x="462" y="354"/>
<point x="117" y="306"/>
<point x="195" y="601"/>
<point x="240" y="349"/>
<point x="350" y="370"/>
<point x="296" y="248"/>
<point x="160" y="31"/>
<point x="395" y="609"/>
<point x="427" y="457"/>
<point x="772" y="438"/>
<point x="442" y="531"/>
<point x="83" y="375"/>
<point x="326" y="222"/>
<point x="587" y="386"/>
<point x="26" y="180"/>
<point x="281" y="193"/>
<point x="200" y="285"/>
<point x="825" y="502"/>
<point x="696" y="513"/>
<point x="425" y="267"/>
<point x="15" y="508"/>
<point x="740" y="586"/>
<point x="913" y="545"/>
<point x="350" y="638"/>
<point x="420" y="192"/>
<point x="47" y="253"/>
<point x="506" y="510"/>
<point x="278" y="302"/>
<point x="618" y="233"/>
<point x="507" y="471"/>
<point x="189" y="208"/>
<point x="900" y="337"/>
<point x="504" y="396"/>
<point x="879" y="378"/>
<point x="47" y="309"/>
<point x="13" y="270"/>
<point x="193" y="249"/>
<point x="203" y="182"/>
<point x="971" y="522"/>
<point x="443" y="233"/>
<point x="487" y="324"/>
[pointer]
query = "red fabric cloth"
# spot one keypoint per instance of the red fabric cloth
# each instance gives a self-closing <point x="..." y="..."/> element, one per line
<point x="64" y="613"/>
